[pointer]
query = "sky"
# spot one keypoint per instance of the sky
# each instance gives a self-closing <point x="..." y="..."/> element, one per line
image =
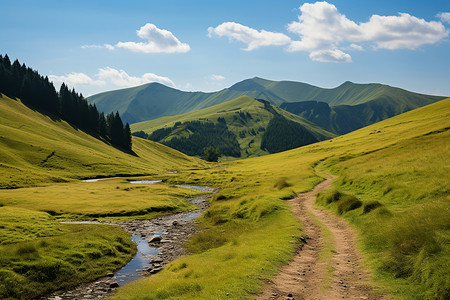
<point x="203" y="45"/>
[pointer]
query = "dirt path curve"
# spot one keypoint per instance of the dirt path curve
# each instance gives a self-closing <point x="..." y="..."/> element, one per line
<point x="328" y="264"/>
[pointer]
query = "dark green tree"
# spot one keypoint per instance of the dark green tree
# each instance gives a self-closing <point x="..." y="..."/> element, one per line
<point x="211" y="154"/>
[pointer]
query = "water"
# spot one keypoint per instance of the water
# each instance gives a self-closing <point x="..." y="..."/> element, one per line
<point x="145" y="181"/>
<point x="133" y="270"/>
<point x="196" y="187"/>
<point x="192" y="216"/>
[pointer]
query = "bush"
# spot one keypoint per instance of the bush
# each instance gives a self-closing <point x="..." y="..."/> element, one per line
<point x="328" y="197"/>
<point x="281" y="184"/>
<point x="368" y="207"/>
<point x="348" y="203"/>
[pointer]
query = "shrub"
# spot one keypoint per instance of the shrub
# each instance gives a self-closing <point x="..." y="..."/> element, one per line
<point x="328" y="197"/>
<point x="368" y="207"/>
<point x="348" y="203"/>
<point x="281" y="184"/>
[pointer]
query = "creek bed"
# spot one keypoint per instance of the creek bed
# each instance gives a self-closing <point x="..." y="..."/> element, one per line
<point x="151" y="257"/>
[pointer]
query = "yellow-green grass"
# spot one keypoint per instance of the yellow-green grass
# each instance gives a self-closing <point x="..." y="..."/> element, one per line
<point x="32" y="265"/>
<point x="250" y="144"/>
<point x="114" y="197"/>
<point x="250" y="197"/>
<point x="36" y="149"/>
<point x="20" y="224"/>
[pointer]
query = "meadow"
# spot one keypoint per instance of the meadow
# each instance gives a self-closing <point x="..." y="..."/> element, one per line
<point x="396" y="171"/>
<point x="404" y="238"/>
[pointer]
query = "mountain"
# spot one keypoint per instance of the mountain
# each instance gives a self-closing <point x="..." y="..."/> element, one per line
<point x="342" y="119"/>
<point x="242" y="127"/>
<point x="36" y="148"/>
<point x="154" y="100"/>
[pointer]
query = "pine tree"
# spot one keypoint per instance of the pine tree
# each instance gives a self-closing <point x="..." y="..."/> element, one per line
<point x="127" y="137"/>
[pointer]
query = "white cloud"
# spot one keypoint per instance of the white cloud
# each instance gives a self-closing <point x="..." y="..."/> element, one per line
<point x="107" y="46"/>
<point x="108" y="77"/>
<point x="252" y="37"/>
<point x="355" y="47"/>
<point x="217" y="77"/>
<point x="332" y="55"/>
<point x="75" y="79"/>
<point x="325" y="32"/>
<point x="401" y="32"/>
<point x="158" y="41"/>
<point x="120" y="78"/>
<point x="445" y="17"/>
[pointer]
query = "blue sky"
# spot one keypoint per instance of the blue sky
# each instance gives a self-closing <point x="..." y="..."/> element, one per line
<point x="200" y="45"/>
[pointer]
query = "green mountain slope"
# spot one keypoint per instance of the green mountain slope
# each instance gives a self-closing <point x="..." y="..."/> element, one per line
<point x="397" y="168"/>
<point x="35" y="148"/>
<point x="248" y="120"/>
<point x="154" y="100"/>
<point x="343" y="119"/>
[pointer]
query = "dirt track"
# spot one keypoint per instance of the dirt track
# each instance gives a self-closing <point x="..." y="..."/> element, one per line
<point x="310" y="277"/>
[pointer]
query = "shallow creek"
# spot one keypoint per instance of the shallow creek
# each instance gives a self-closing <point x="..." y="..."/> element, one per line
<point x="159" y="241"/>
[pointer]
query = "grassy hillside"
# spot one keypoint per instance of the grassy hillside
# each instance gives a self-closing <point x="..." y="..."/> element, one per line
<point x="245" y="117"/>
<point x="154" y="100"/>
<point x="40" y="162"/>
<point x="342" y="119"/>
<point x="401" y="163"/>
<point x="36" y="148"/>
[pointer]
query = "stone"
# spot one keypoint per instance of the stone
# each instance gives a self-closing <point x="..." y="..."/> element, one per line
<point x="155" y="239"/>
<point x="175" y="223"/>
<point x="113" y="285"/>
<point x="110" y="275"/>
<point x="290" y="295"/>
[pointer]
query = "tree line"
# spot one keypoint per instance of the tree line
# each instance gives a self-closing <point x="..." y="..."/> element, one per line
<point x="203" y="136"/>
<point x="19" y="81"/>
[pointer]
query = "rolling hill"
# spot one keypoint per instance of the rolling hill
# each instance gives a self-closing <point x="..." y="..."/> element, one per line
<point x="154" y="100"/>
<point x="249" y="127"/>
<point x="36" y="148"/>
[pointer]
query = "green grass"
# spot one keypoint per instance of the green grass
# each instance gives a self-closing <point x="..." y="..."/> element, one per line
<point x="114" y="197"/>
<point x="71" y="254"/>
<point x="37" y="149"/>
<point x="248" y="130"/>
<point x="19" y="224"/>
<point x="151" y="101"/>
<point x="252" y="200"/>
<point x="402" y="163"/>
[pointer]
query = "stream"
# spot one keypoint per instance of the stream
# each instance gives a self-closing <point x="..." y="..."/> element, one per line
<point x="159" y="241"/>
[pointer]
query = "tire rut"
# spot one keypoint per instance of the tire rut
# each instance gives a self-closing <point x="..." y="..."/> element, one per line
<point x="308" y="276"/>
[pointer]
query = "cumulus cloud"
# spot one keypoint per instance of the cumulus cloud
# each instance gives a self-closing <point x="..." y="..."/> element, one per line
<point x="445" y="17"/>
<point x="252" y="37"/>
<point x="108" y="77"/>
<point x="157" y="41"/>
<point x="325" y="32"/>
<point x="332" y="55"/>
<point x="217" y="77"/>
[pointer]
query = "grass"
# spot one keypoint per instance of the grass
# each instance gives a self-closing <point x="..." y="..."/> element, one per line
<point x="37" y="149"/>
<point x="252" y="200"/>
<point x="248" y="130"/>
<point x="402" y="163"/>
<point x="31" y="266"/>
<point x="106" y="198"/>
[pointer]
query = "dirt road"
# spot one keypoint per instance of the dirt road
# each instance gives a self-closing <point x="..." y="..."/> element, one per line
<point x="328" y="266"/>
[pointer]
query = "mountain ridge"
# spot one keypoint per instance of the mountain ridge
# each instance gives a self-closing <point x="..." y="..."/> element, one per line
<point x="155" y="100"/>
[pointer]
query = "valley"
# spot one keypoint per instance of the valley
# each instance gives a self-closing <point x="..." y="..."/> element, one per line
<point x="384" y="216"/>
